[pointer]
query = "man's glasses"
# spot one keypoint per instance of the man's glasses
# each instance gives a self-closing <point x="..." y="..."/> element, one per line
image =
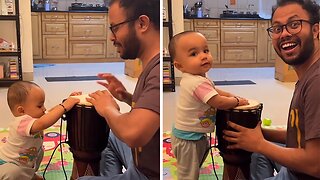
<point x="114" y="28"/>
<point x="293" y="27"/>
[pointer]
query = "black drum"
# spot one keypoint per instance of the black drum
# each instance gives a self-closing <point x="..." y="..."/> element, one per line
<point x="237" y="162"/>
<point x="88" y="135"/>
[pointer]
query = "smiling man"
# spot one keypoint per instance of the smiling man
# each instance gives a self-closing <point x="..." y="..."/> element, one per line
<point x="295" y="37"/>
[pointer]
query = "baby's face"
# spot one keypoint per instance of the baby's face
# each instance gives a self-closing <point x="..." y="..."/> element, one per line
<point x="193" y="55"/>
<point x="34" y="105"/>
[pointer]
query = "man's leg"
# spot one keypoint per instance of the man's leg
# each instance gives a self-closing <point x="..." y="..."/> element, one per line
<point x="116" y="155"/>
<point x="283" y="174"/>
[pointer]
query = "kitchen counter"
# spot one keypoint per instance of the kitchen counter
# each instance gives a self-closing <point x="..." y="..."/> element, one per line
<point x="77" y="11"/>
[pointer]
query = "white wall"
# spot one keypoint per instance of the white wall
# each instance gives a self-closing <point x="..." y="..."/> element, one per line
<point x="26" y="39"/>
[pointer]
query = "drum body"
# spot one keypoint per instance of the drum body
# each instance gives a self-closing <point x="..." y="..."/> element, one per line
<point x="88" y="135"/>
<point x="248" y="117"/>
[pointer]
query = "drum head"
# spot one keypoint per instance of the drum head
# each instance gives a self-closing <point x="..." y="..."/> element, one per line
<point x="83" y="100"/>
<point x="252" y="105"/>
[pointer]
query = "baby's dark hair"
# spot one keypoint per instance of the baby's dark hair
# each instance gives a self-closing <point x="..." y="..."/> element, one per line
<point x="173" y="42"/>
<point x="18" y="93"/>
<point x="310" y="6"/>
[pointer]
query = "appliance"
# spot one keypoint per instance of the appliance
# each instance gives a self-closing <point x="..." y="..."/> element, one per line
<point x="87" y="7"/>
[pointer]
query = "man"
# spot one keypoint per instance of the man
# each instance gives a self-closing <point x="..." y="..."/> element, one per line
<point x="135" y="138"/>
<point x="295" y="37"/>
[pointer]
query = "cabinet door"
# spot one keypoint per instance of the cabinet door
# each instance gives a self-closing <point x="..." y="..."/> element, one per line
<point x="55" y="27"/>
<point x="262" y="53"/>
<point x="239" y="37"/>
<point x="55" y="46"/>
<point x="87" y="32"/>
<point x="87" y="49"/>
<point x="214" y="48"/>
<point x="272" y="55"/>
<point x="211" y="34"/>
<point x="238" y="54"/>
<point x="188" y="25"/>
<point x="36" y="35"/>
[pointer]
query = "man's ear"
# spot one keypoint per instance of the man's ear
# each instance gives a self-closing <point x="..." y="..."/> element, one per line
<point x="315" y="30"/>
<point x="144" y="22"/>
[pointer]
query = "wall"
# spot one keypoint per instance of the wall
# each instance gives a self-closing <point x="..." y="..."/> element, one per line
<point x="26" y="40"/>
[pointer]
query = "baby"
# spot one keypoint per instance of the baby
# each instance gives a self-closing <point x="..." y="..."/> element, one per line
<point x="21" y="155"/>
<point x="197" y="103"/>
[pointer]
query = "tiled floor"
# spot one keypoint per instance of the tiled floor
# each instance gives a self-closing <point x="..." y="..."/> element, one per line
<point x="274" y="95"/>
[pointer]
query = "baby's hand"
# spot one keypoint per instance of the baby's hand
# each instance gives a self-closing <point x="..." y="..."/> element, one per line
<point x="242" y="101"/>
<point x="70" y="102"/>
<point x="76" y="93"/>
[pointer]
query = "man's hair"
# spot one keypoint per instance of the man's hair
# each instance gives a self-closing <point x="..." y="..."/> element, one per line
<point x="312" y="8"/>
<point x="173" y="42"/>
<point x="136" y="8"/>
<point x="18" y="93"/>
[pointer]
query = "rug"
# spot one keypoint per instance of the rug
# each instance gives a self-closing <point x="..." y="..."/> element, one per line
<point x="51" y="140"/>
<point x="235" y="82"/>
<point x="206" y="171"/>
<point x="72" y="78"/>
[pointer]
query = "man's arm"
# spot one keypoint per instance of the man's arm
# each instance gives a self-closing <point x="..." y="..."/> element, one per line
<point x="302" y="160"/>
<point x="135" y="128"/>
<point x="275" y="135"/>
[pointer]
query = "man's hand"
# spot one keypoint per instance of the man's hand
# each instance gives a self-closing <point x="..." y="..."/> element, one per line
<point x="114" y="86"/>
<point x="102" y="101"/>
<point x="244" y="138"/>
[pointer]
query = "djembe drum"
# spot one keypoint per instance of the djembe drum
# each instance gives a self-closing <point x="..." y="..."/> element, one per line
<point x="88" y="135"/>
<point x="236" y="162"/>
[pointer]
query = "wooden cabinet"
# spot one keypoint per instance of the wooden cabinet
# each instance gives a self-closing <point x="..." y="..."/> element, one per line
<point x="66" y="37"/>
<point x="239" y="41"/>
<point x="36" y="35"/>
<point x="55" y="46"/>
<point x="263" y="42"/>
<point x="55" y="35"/>
<point x="87" y="35"/>
<point x="211" y="30"/>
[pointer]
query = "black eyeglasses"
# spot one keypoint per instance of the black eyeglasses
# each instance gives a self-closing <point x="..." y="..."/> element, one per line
<point x="293" y="27"/>
<point x="115" y="28"/>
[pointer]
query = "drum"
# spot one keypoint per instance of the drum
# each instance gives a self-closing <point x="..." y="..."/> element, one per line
<point x="237" y="162"/>
<point x="88" y="135"/>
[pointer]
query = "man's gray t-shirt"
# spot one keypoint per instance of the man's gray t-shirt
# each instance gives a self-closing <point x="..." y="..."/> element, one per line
<point x="304" y="114"/>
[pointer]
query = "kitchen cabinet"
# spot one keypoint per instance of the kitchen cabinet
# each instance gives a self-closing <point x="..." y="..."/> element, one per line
<point x="236" y="42"/>
<point x="55" y="36"/>
<point x="68" y="37"/>
<point x="87" y="35"/>
<point x="36" y="35"/>
<point x="10" y="54"/>
<point x="211" y="30"/>
<point x="263" y="42"/>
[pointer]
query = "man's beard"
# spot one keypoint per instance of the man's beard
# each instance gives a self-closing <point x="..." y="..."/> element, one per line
<point x="131" y="46"/>
<point x="304" y="55"/>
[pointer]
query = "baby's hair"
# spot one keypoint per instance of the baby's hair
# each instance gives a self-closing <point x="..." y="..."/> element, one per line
<point x="173" y="42"/>
<point x="18" y="93"/>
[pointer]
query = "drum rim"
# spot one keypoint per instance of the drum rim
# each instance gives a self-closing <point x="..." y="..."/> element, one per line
<point x="255" y="105"/>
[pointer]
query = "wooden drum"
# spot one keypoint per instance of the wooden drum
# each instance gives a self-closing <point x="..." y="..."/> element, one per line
<point x="237" y="162"/>
<point x="88" y="135"/>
